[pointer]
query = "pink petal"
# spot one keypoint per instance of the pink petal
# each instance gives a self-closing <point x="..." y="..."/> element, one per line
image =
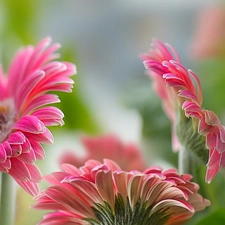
<point x="26" y="146"/>
<point x="211" y="173"/>
<point x="30" y="187"/>
<point x="45" y="138"/>
<point x="30" y="124"/>
<point x="187" y="94"/>
<point x="105" y="185"/>
<point x="19" y="170"/>
<point x="70" y="169"/>
<point x="167" y="203"/>
<point x="87" y="190"/>
<point x="220" y="146"/>
<point x="38" y="149"/>
<point x="16" y="150"/>
<point x="17" y="68"/>
<point x="211" y="118"/>
<point x="50" y="116"/>
<point x="204" y="128"/>
<point x="35" y="174"/>
<point x="3" y="156"/>
<point x="40" y="101"/>
<point x="191" y="106"/>
<point x="172" y="80"/>
<point x="6" y="166"/>
<point x="28" y="157"/>
<point x="222" y="133"/>
<point x="134" y="188"/>
<point x="3" y="92"/>
<point x="16" y="138"/>
<point x="155" y="67"/>
<point x="55" y="178"/>
<point x="69" y="200"/>
<point x="111" y="165"/>
<point x="26" y="87"/>
<point x="7" y="148"/>
<point x="214" y="159"/>
<point x="121" y="178"/>
<point x="211" y="140"/>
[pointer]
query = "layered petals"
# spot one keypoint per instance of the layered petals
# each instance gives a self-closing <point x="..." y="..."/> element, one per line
<point x="186" y="84"/>
<point x="25" y="110"/>
<point x="114" y="196"/>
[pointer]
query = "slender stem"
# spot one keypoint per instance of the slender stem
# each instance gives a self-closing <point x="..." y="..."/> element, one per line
<point x="184" y="161"/>
<point x="7" y="200"/>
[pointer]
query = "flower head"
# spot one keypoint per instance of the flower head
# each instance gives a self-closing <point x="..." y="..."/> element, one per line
<point x="157" y="54"/>
<point x="187" y="87"/>
<point x="24" y="110"/>
<point x="127" y="155"/>
<point x="104" y="194"/>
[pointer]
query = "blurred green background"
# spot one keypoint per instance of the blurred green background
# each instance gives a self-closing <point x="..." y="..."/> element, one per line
<point x="112" y="93"/>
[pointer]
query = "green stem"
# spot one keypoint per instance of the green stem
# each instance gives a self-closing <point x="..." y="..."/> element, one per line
<point x="7" y="200"/>
<point x="184" y="161"/>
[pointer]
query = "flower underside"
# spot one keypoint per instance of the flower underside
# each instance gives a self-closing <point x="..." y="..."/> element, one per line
<point x="190" y="138"/>
<point x="124" y="214"/>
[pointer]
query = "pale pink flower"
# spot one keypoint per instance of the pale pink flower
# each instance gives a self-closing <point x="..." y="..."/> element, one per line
<point x="209" y="36"/>
<point x="189" y="96"/>
<point x="156" y="55"/>
<point x="104" y="194"/>
<point x="24" y="110"/>
<point x="127" y="155"/>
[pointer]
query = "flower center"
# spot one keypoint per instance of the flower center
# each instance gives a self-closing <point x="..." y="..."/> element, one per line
<point x="7" y="118"/>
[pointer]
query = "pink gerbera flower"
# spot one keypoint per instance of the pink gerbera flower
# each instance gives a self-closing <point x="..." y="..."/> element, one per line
<point x="157" y="54"/>
<point x="127" y="155"/>
<point x="24" y="113"/>
<point x="104" y="194"/>
<point x="187" y="87"/>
